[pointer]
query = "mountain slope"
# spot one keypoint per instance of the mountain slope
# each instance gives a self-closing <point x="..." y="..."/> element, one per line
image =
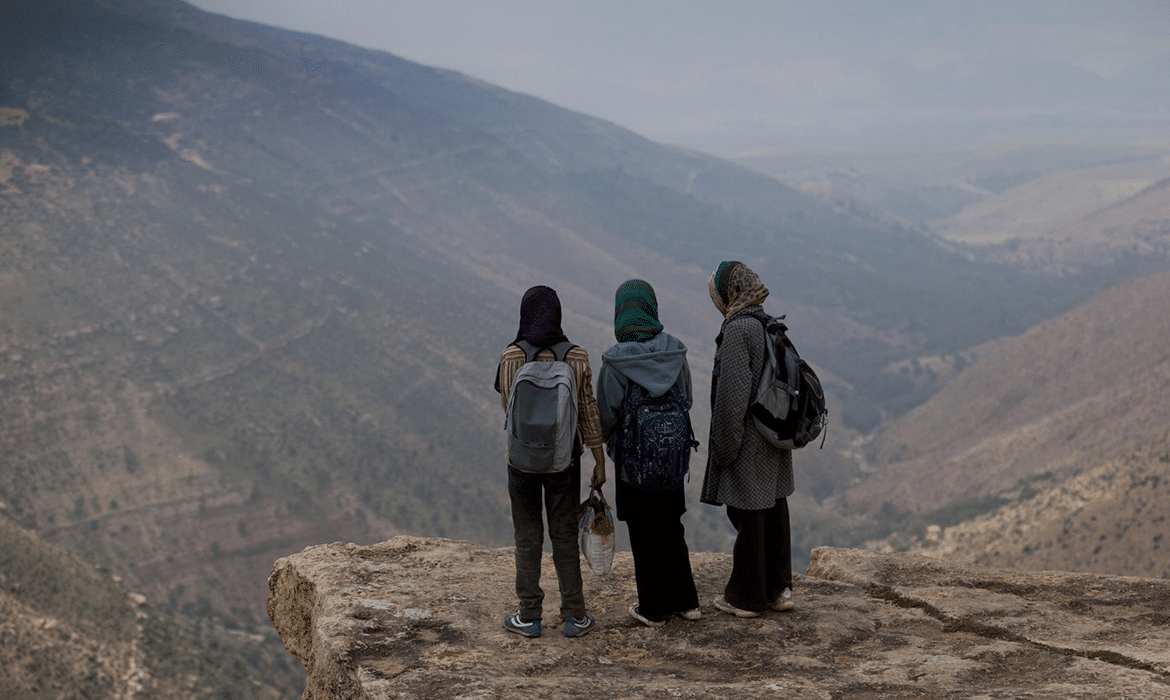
<point x="207" y="366"/>
<point x="72" y="632"/>
<point x="1071" y="393"/>
<point x="1138" y="225"/>
<point x="851" y="264"/>
<point x="1109" y="519"/>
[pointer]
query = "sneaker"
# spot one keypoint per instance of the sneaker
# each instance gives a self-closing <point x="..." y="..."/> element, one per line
<point x="579" y="628"/>
<point x="513" y="623"/>
<point x="692" y="614"/>
<point x="637" y="615"/>
<point x="730" y="609"/>
<point x="784" y="602"/>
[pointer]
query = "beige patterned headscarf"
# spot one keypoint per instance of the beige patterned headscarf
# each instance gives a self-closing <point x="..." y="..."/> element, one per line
<point x="734" y="287"/>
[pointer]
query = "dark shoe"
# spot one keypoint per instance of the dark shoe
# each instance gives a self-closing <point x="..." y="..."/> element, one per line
<point x="637" y="615"/>
<point x="784" y="602"/>
<point x="730" y="609"/>
<point x="513" y="623"/>
<point x="579" y="628"/>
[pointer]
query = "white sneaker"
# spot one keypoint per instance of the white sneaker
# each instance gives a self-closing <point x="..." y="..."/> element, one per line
<point x="784" y="602"/>
<point x="637" y="615"/>
<point x="692" y="614"/>
<point x="730" y="609"/>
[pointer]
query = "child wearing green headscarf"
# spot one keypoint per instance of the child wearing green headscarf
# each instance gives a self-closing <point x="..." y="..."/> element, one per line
<point x="657" y="362"/>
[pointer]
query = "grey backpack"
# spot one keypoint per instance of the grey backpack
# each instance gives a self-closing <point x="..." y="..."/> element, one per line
<point x="541" y="419"/>
<point x="788" y="406"/>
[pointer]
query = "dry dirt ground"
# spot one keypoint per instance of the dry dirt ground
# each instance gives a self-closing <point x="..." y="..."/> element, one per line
<point x="421" y="618"/>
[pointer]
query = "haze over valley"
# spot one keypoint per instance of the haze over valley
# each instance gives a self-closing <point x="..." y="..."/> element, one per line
<point x="254" y="284"/>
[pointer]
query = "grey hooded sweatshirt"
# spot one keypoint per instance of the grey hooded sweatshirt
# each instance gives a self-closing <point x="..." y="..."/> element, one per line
<point x="656" y="365"/>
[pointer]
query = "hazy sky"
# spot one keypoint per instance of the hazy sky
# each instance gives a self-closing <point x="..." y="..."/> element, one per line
<point x="722" y="76"/>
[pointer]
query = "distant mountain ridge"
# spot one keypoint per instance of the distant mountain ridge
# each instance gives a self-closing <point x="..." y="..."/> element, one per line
<point x="1071" y="219"/>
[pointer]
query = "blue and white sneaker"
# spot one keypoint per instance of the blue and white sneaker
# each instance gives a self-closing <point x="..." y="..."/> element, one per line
<point x="579" y="628"/>
<point x="513" y="623"/>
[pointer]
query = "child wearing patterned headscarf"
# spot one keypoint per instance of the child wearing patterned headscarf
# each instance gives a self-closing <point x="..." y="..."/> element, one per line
<point x="745" y="472"/>
<point x="657" y="362"/>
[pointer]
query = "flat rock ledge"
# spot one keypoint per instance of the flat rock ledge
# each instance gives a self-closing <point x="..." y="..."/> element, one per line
<point x="421" y="618"/>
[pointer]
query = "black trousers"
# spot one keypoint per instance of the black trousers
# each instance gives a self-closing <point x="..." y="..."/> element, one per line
<point x="662" y="562"/>
<point x="560" y="495"/>
<point x="762" y="558"/>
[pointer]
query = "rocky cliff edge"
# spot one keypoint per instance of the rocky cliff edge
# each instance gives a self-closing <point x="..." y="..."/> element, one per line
<point x="420" y="618"/>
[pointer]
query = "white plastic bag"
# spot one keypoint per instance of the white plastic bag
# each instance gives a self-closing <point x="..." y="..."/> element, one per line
<point x="597" y="532"/>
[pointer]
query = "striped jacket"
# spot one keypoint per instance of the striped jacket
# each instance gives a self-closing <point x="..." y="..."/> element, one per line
<point x="588" y="422"/>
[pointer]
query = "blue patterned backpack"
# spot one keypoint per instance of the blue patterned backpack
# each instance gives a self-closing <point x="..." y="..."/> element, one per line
<point x="655" y="439"/>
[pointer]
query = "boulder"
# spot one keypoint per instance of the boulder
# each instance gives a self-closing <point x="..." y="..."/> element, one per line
<point x="421" y="618"/>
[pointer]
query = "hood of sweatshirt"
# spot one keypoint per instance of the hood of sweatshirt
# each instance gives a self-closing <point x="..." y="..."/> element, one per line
<point x="654" y="364"/>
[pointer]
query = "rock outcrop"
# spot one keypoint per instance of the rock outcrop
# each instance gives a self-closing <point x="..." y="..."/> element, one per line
<point x="415" y="617"/>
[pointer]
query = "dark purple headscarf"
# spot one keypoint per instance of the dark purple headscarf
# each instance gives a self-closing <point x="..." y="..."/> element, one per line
<point x="540" y="321"/>
<point x="540" y="318"/>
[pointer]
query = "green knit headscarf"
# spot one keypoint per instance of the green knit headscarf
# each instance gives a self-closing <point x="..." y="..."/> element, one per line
<point x="635" y="313"/>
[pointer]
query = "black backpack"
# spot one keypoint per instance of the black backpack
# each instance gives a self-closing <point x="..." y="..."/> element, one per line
<point x="788" y="406"/>
<point x="654" y="439"/>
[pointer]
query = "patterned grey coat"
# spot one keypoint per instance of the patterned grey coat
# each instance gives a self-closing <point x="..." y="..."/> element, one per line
<point x="743" y="469"/>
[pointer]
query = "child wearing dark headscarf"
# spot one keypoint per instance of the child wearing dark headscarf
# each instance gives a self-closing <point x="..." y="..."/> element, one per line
<point x="656" y="361"/>
<point x="558" y="492"/>
<point x="745" y="472"/>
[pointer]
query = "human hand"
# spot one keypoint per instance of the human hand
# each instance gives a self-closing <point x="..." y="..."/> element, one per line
<point x="598" y="479"/>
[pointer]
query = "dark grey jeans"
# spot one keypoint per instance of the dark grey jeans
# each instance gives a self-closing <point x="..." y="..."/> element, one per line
<point x="560" y="495"/>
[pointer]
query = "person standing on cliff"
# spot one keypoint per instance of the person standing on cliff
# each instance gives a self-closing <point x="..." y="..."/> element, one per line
<point x="746" y="473"/>
<point x="653" y="363"/>
<point x="558" y="492"/>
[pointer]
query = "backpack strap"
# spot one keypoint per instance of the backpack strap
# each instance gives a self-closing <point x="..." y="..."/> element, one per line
<point x="767" y="320"/>
<point x="560" y="350"/>
<point x="791" y="368"/>
<point x="526" y="348"/>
